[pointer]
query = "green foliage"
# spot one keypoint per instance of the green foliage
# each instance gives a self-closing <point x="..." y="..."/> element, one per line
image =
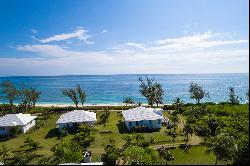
<point x="31" y="143"/>
<point x="222" y="146"/>
<point x="81" y="93"/>
<point x="85" y="136"/>
<point x="152" y="91"/>
<point x="71" y="93"/>
<point x="197" y="92"/>
<point x="28" y="97"/>
<point x="75" y="95"/>
<point x="104" y="117"/>
<point x="233" y="98"/>
<point x="136" y="155"/>
<point x="165" y="153"/>
<point x="67" y="151"/>
<point x="5" y="153"/>
<point x="128" y="100"/>
<point x="9" y="90"/>
<point x="111" y="153"/>
<point x="188" y="129"/>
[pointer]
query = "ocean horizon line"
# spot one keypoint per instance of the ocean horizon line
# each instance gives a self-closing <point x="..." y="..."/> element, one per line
<point x="117" y="74"/>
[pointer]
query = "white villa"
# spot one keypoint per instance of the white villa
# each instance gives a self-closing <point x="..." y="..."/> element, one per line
<point x="75" y="117"/>
<point x="23" y="121"/>
<point x="141" y="116"/>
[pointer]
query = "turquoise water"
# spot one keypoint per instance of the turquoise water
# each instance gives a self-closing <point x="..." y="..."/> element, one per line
<point x="107" y="89"/>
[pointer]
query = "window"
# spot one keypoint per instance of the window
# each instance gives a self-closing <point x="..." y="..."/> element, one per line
<point x="159" y="121"/>
<point x="2" y="128"/>
<point x="130" y="123"/>
<point x="150" y="122"/>
<point x="136" y="123"/>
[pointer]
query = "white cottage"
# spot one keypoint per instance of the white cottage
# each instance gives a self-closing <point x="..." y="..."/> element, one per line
<point x="75" y="117"/>
<point x="141" y="116"/>
<point x="23" y="121"/>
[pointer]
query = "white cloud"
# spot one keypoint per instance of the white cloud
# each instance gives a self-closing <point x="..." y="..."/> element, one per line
<point x="137" y="45"/>
<point x="34" y="31"/>
<point x="194" y="42"/>
<point x="188" y="54"/>
<point x="104" y="31"/>
<point x="80" y="34"/>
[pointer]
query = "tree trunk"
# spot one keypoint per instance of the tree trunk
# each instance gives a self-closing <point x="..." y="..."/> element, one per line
<point x="216" y="159"/>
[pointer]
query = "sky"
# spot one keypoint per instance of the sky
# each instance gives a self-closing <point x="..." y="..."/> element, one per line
<point x="65" y="37"/>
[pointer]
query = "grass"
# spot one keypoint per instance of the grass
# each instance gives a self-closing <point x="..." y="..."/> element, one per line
<point x="47" y="137"/>
<point x="195" y="156"/>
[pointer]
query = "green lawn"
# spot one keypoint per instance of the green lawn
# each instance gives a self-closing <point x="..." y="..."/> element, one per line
<point x="195" y="156"/>
<point x="47" y="136"/>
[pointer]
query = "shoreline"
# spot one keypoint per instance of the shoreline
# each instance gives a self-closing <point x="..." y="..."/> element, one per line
<point x="91" y="105"/>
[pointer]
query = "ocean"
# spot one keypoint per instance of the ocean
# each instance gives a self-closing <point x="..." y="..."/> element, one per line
<point x="111" y="89"/>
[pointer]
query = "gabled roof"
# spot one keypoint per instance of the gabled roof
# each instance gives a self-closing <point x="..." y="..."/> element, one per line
<point x="77" y="116"/>
<point x="141" y="113"/>
<point x="16" y="119"/>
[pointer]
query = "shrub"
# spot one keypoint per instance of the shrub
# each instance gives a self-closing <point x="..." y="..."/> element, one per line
<point x="105" y="131"/>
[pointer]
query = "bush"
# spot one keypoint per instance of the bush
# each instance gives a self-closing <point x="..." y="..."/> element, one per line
<point x="168" y="107"/>
<point x="105" y="131"/>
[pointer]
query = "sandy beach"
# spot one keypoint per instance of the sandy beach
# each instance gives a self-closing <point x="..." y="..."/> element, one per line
<point x="72" y="105"/>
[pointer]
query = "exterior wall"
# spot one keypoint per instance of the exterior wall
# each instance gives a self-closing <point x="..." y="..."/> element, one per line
<point x="61" y="125"/>
<point x="23" y="129"/>
<point x="154" y="124"/>
<point x="4" y="132"/>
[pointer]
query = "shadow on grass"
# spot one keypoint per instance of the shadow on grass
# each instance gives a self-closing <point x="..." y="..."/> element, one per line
<point x="52" y="133"/>
<point x="123" y="129"/>
<point x="5" y="138"/>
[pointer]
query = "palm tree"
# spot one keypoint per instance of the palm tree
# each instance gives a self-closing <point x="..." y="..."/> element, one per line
<point x="174" y="118"/>
<point x="178" y="103"/>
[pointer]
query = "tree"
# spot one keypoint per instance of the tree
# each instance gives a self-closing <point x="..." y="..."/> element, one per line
<point x="212" y="124"/>
<point x="233" y="98"/>
<point x="75" y="95"/>
<point x="178" y="103"/>
<point x="151" y="90"/>
<point x="158" y="92"/>
<point x="81" y="93"/>
<point x="165" y="153"/>
<point x="128" y="100"/>
<point x="203" y="131"/>
<point x="174" y="118"/>
<point x="71" y="93"/>
<point x="10" y="90"/>
<point x="34" y="96"/>
<point x="136" y="155"/>
<point x="222" y="146"/>
<point x="197" y="92"/>
<point x="104" y="117"/>
<point x="188" y="129"/>
<point x="111" y="153"/>
<point x="67" y="151"/>
<point x="25" y="97"/>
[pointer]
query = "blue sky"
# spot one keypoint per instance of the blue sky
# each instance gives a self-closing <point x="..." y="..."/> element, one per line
<point x="62" y="37"/>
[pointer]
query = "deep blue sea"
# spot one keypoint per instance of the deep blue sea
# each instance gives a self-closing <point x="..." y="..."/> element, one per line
<point x="111" y="89"/>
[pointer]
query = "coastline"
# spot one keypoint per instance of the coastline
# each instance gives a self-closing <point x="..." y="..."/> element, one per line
<point x="92" y="105"/>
